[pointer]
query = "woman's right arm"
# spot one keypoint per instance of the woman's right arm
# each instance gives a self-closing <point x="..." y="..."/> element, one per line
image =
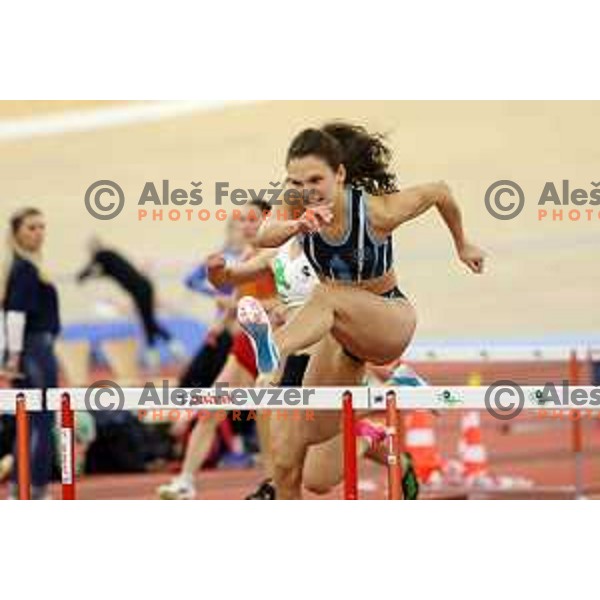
<point x="285" y="223"/>
<point x="276" y="232"/>
<point x="281" y="225"/>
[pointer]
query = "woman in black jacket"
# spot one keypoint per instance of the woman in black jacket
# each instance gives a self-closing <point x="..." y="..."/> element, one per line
<point x="32" y="322"/>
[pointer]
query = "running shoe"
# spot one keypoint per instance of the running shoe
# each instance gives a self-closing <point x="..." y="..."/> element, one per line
<point x="404" y="376"/>
<point x="265" y="491"/>
<point x="375" y="433"/>
<point x="255" y="322"/>
<point x="180" y="488"/>
<point x="410" y="482"/>
<point x="236" y="460"/>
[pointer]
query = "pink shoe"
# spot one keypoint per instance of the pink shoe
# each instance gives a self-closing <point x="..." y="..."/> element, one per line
<point x="373" y="432"/>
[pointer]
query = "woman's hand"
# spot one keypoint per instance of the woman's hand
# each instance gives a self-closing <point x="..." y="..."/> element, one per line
<point x="472" y="256"/>
<point x="315" y="217"/>
<point x="12" y="366"/>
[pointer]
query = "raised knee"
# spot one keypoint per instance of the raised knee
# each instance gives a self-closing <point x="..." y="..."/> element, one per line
<point x="317" y="487"/>
<point x="319" y="477"/>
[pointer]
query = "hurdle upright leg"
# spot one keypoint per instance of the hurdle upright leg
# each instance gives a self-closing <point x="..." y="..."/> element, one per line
<point x="350" y="460"/>
<point x="23" y="454"/>
<point x="576" y="430"/>
<point x="67" y="447"/>
<point x="394" y="432"/>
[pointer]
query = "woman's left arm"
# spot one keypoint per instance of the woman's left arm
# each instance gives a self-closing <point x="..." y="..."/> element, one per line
<point x="391" y="210"/>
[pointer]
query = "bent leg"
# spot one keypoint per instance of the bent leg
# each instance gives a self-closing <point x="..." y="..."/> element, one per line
<point x="371" y="327"/>
<point x="290" y="439"/>
<point x="368" y="326"/>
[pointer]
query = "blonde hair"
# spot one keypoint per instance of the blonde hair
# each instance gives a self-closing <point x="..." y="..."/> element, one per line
<point x="14" y="249"/>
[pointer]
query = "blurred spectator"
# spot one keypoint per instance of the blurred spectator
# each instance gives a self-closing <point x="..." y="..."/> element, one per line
<point x="31" y="309"/>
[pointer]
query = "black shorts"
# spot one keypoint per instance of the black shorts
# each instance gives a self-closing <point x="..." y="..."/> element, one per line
<point x="293" y="372"/>
<point x="394" y="293"/>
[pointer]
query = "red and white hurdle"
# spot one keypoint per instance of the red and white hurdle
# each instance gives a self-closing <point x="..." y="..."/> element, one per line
<point x="351" y="402"/>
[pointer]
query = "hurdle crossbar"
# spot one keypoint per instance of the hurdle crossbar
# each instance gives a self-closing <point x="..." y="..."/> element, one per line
<point x="320" y="398"/>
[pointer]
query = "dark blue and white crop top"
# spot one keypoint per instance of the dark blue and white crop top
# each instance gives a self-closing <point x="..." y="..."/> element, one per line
<point x="359" y="255"/>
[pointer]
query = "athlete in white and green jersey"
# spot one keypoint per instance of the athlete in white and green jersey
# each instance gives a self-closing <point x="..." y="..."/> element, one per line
<point x="294" y="276"/>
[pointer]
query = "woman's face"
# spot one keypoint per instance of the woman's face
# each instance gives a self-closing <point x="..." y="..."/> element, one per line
<point x="31" y="233"/>
<point x="314" y="179"/>
<point x="236" y="236"/>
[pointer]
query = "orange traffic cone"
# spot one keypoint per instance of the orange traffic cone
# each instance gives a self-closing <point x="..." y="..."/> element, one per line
<point x="471" y="449"/>
<point x="420" y="442"/>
